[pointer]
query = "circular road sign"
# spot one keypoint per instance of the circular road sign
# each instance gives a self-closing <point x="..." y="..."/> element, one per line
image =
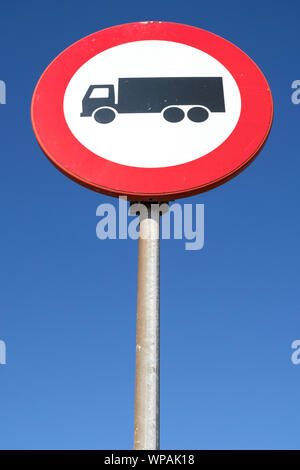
<point x="152" y="110"/>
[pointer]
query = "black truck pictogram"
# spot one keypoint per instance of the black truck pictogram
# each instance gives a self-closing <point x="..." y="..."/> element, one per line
<point x="156" y="95"/>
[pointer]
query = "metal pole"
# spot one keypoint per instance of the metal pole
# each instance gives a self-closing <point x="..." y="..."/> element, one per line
<point x="146" y="419"/>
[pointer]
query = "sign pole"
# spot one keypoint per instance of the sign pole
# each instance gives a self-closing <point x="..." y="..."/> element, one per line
<point x="147" y="410"/>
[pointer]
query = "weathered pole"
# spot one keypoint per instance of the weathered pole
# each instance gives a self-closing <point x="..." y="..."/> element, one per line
<point x="147" y="396"/>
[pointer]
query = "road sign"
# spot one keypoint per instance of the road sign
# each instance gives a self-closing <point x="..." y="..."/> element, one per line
<point x="152" y="110"/>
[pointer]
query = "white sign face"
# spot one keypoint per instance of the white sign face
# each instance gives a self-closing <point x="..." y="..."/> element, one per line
<point x="152" y="104"/>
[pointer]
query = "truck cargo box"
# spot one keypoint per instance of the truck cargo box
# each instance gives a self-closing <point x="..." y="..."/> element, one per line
<point x="140" y="95"/>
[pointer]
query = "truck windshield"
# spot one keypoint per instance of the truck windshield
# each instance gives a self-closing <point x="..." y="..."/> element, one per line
<point x="100" y="93"/>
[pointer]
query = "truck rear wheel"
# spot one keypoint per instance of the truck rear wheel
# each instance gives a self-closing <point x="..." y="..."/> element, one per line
<point x="198" y="114"/>
<point x="104" y="115"/>
<point x="173" y="114"/>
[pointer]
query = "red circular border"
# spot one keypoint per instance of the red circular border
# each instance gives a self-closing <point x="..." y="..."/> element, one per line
<point x="102" y="175"/>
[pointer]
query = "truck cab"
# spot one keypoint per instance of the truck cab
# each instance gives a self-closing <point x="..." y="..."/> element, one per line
<point x="96" y="97"/>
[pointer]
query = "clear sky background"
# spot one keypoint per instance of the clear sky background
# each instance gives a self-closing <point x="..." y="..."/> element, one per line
<point x="229" y="312"/>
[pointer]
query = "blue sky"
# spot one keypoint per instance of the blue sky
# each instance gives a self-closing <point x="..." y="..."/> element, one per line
<point x="229" y="312"/>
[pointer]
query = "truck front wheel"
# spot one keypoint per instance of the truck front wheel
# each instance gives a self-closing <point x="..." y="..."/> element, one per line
<point x="198" y="114"/>
<point x="173" y="114"/>
<point x="104" y="115"/>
